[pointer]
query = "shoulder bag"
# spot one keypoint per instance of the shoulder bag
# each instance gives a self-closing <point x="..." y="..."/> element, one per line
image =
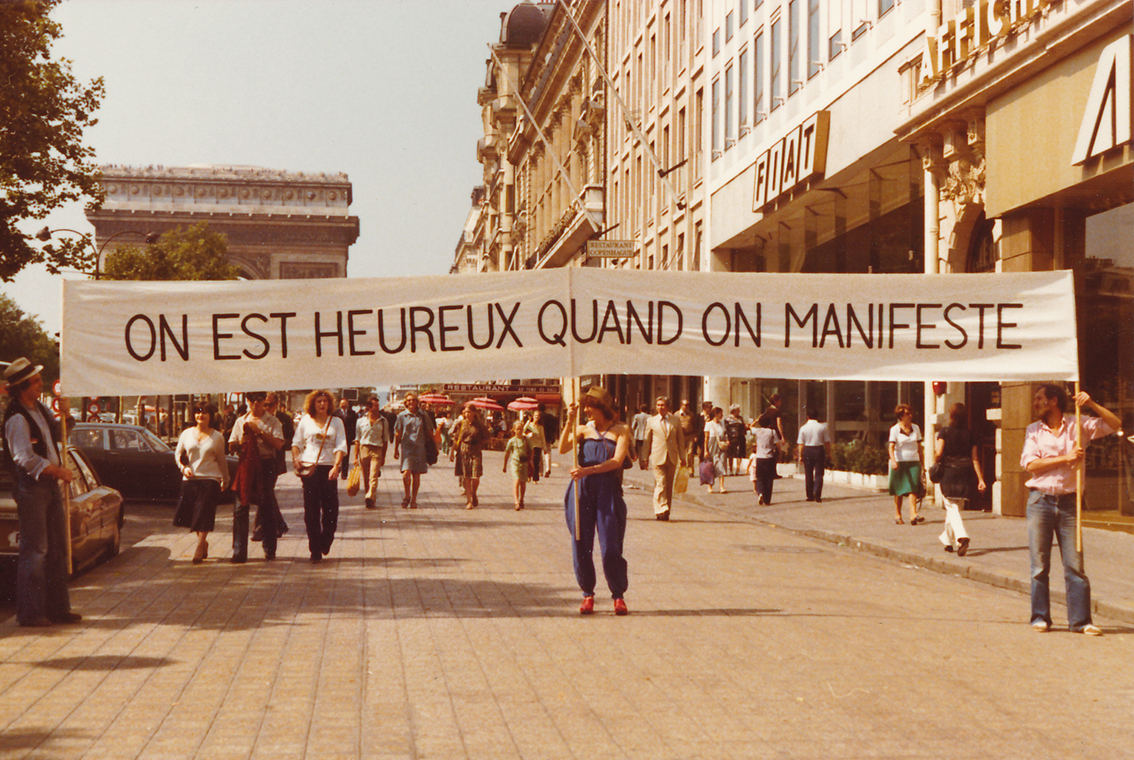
<point x="304" y="469"/>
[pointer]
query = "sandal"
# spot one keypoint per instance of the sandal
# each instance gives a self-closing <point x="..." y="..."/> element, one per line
<point x="918" y="520"/>
<point x="405" y="502"/>
<point x="899" y="521"/>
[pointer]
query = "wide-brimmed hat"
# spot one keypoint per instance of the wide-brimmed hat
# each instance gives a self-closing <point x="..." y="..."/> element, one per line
<point x="19" y="371"/>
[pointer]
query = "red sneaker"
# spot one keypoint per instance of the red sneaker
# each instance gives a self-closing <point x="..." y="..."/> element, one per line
<point x="620" y="607"/>
<point x="588" y="605"/>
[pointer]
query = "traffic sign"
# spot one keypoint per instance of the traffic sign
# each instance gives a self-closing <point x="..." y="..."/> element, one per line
<point x="610" y="249"/>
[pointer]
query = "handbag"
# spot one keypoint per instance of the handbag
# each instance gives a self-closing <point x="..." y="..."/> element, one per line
<point x="354" y="480"/>
<point x="937" y="470"/>
<point x="305" y="469"/>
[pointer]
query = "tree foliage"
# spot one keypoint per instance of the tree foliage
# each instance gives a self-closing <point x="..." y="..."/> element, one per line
<point x="43" y="112"/>
<point x="195" y="253"/>
<point x="21" y="335"/>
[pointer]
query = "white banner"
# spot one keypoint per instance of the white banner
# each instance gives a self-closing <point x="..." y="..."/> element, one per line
<point x="125" y="338"/>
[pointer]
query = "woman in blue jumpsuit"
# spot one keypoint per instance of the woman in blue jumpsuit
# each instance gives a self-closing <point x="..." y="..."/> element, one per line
<point x="603" y="445"/>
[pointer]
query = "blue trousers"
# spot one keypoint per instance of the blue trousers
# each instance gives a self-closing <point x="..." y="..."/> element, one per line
<point x="41" y="571"/>
<point x="1054" y="516"/>
<point x="605" y="514"/>
<point x="814" y="461"/>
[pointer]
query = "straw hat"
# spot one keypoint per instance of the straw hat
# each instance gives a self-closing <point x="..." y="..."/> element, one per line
<point x="19" y="371"/>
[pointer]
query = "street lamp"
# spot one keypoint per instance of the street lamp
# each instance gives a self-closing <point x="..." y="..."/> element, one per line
<point x="45" y="235"/>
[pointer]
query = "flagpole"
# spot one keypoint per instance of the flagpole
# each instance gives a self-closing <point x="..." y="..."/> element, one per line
<point x="1078" y="475"/>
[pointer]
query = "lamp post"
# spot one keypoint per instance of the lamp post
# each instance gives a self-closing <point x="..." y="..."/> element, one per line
<point x="45" y="235"/>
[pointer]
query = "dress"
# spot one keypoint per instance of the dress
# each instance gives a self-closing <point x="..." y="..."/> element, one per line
<point x="716" y="433"/>
<point x="602" y="509"/>
<point x="906" y="478"/>
<point x="518" y="455"/>
<point x="197" y="506"/>
<point x="469" y="439"/>
<point x="413" y="428"/>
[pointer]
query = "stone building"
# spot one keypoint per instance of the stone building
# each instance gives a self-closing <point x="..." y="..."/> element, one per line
<point x="279" y="225"/>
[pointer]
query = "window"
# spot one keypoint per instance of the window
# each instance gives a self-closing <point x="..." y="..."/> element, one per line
<point x="729" y="100"/>
<point x="884" y="6"/>
<point x="795" y="79"/>
<point x="743" y="85"/>
<point x="715" y="123"/>
<point x="759" y="109"/>
<point x="716" y="42"/>
<point x="728" y="23"/>
<point x="835" y="43"/>
<point x="698" y="132"/>
<point x="743" y="12"/>
<point x="774" y="68"/>
<point x="681" y="251"/>
<point x="814" y="62"/>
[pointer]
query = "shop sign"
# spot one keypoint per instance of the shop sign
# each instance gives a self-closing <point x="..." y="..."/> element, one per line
<point x="1107" y="117"/>
<point x="799" y="156"/>
<point x="971" y="30"/>
<point x="610" y="249"/>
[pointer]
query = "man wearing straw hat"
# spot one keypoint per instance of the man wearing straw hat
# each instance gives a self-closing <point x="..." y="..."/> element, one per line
<point x="30" y="442"/>
<point x="1051" y="454"/>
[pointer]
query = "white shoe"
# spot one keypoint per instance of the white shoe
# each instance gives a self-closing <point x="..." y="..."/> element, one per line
<point x="1041" y="626"/>
<point x="1090" y="630"/>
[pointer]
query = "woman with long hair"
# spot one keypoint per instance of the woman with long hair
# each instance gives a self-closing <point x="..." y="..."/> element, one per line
<point x="906" y="463"/>
<point x="204" y="470"/>
<point x="604" y="444"/>
<point x="469" y="437"/>
<point x="960" y="459"/>
<point x="317" y="452"/>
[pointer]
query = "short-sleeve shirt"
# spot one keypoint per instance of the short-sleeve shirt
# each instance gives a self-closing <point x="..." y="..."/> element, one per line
<point x="813" y="433"/>
<point x="370" y="433"/>
<point x="906" y="448"/>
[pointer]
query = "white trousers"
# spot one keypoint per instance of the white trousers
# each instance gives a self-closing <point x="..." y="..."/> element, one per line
<point x="954" y="526"/>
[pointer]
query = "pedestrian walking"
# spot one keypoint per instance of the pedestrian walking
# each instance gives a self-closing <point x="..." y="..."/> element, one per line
<point x="665" y="446"/>
<point x="411" y="431"/>
<point x="762" y="464"/>
<point x="716" y="449"/>
<point x="603" y="445"/>
<point x="469" y="437"/>
<point x="287" y="425"/>
<point x="317" y="451"/>
<point x="371" y="439"/>
<point x="550" y="423"/>
<point x="638" y="426"/>
<point x="204" y="471"/>
<point x="773" y="415"/>
<point x="906" y="463"/>
<point x="537" y="442"/>
<point x="735" y="431"/>
<point x="961" y="472"/>
<point x="349" y="416"/>
<point x="1053" y="451"/>
<point x="258" y="436"/>
<point x="814" y="444"/>
<point x="518" y="457"/>
<point x="685" y="417"/>
<point x="31" y="441"/>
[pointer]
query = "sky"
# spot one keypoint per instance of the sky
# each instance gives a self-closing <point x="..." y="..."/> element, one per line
<point x="383" y="90"/>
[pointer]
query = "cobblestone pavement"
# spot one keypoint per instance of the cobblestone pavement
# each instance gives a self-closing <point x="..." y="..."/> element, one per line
<point x="446" y="633"/>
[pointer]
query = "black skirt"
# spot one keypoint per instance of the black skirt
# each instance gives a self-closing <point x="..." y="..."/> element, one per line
<point x="197" y="507"/>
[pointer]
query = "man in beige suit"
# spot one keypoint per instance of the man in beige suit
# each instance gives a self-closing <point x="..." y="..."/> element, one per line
<point x="666" y="445"/>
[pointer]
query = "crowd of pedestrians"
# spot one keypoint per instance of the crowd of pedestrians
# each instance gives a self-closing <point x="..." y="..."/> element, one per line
<point x="325" y="439"/>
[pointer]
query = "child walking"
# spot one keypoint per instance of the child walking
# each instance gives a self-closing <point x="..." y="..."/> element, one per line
<point x="516" y="456"/>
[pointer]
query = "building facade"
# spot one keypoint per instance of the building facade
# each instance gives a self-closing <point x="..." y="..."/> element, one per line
<point x="279" y="225"/>
<point x="1022" y="113"/>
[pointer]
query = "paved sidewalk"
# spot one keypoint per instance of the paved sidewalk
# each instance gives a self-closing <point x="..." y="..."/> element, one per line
<point x="863" y="519"/>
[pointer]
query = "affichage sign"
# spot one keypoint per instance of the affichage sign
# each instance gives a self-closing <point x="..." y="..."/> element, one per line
<point x="174" y="337"/>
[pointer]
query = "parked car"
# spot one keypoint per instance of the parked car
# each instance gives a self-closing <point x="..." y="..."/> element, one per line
<point x="133" y="460"/>
<point x="97" y="515"/>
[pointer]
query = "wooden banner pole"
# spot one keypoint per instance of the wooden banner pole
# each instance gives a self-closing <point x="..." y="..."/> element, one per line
<point x="575" y="459"/>
<point x="64" y="413"/>
<point x="1078" y="475"/>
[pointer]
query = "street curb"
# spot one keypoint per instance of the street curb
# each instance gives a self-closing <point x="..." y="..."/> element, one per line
<point x="1099" y="606"/>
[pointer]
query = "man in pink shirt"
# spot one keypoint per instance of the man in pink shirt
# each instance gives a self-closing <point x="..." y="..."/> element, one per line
<point x="1051" y="454"/>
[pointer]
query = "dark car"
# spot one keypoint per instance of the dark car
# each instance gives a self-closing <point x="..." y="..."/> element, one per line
<point x="133" y="460"/>
<point x="97" y="515"/>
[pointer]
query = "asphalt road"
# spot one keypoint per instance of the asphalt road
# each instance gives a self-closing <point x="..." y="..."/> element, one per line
<point x="446" y="633"/>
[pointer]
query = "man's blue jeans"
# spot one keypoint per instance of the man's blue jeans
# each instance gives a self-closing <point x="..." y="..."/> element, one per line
<point x="1048" y="516"/>
<point x="41" y="571"/>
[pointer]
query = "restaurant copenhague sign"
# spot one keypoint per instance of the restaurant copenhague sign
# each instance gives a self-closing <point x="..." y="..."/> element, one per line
<point x="178" y="337"/>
